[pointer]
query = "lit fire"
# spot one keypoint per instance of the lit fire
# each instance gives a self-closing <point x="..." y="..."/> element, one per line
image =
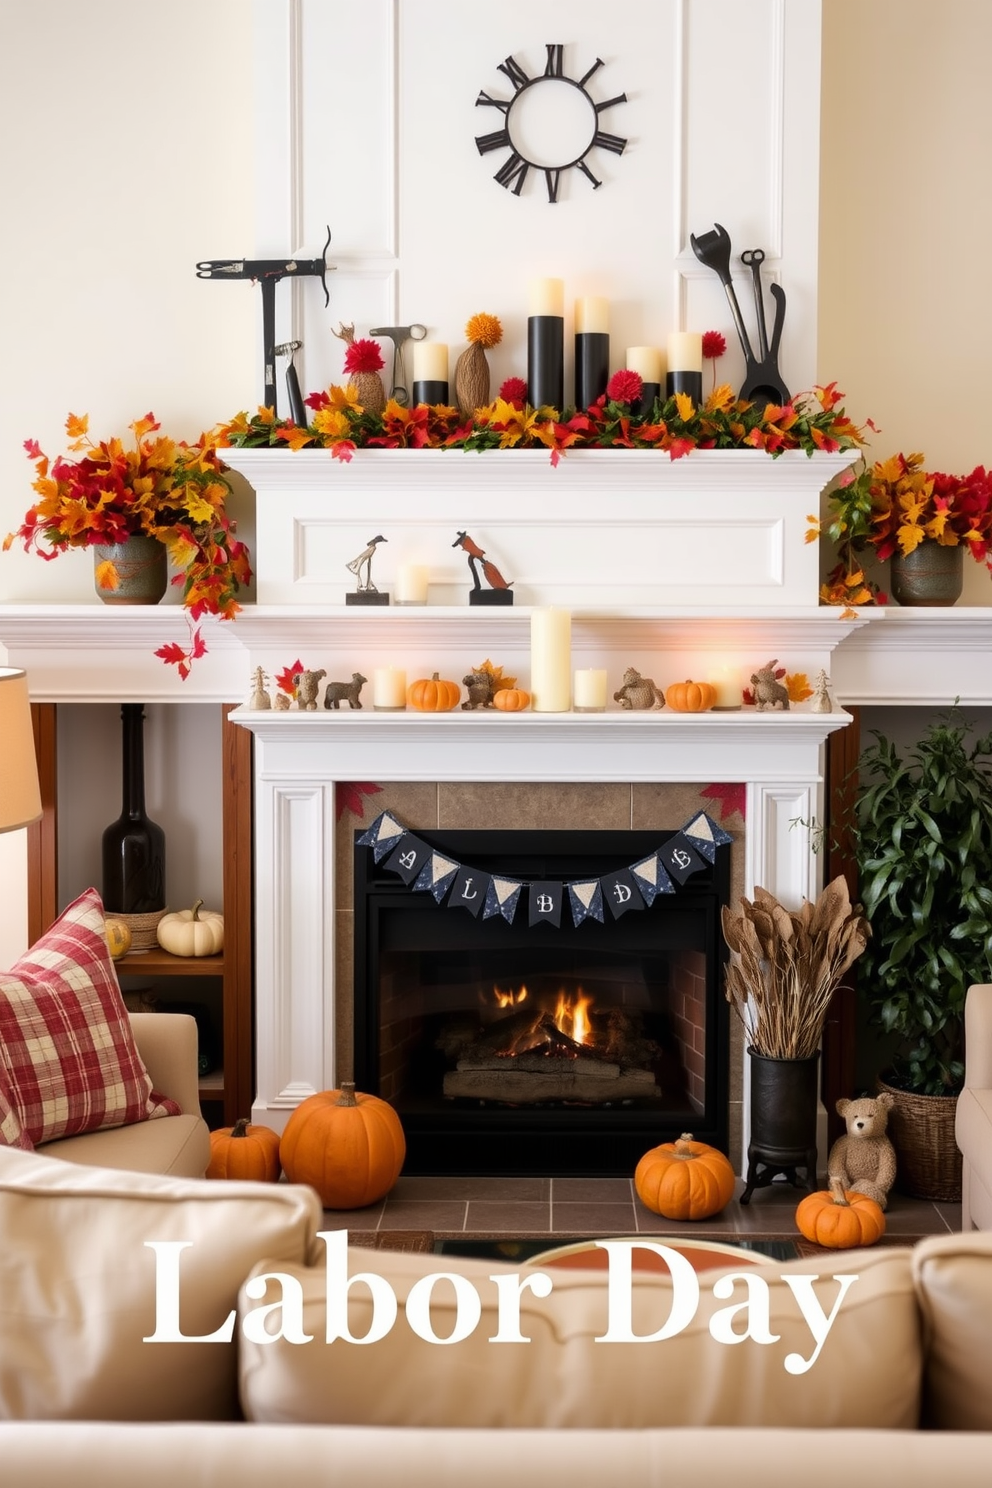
<point x="572" y="1016"/>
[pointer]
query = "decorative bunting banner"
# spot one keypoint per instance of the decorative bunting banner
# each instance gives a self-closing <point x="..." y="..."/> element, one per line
<point x="634" y="887"/>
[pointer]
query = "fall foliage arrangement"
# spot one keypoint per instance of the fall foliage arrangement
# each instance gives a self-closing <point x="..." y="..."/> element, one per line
<point x="158" y="487"/>
<point x="342" y="423"/>
<point x="894" y="505"/>
<point x="784" y="966"/>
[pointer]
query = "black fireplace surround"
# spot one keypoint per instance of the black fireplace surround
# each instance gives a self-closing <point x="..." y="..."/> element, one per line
<point x="459" y="1021"/>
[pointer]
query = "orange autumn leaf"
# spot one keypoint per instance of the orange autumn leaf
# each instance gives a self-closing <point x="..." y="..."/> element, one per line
<point x="106" y="575"/>
<point x="496" y="673"/>
<point x="797" y="686"/>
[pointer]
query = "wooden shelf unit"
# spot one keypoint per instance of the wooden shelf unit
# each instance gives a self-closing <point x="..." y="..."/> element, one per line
<point x="234" y="1086"/>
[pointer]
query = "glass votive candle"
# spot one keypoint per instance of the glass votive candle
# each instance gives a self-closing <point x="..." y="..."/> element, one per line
<point x="410" y="584"/>
<point x="589" y="690"/>
<point x="389" y="689"/>
<point x="729" y="687"/>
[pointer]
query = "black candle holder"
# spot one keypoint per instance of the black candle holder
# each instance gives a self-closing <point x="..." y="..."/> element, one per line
<point x="685" y="382"/>
<point x="430" y="391"/>
<point x="643" y="405"/>
<point x="546" y="361"/>
<point x="592" y="366"/>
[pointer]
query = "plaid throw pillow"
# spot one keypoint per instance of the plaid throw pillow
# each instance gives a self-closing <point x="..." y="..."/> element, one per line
<point x="11" y="1131"/>
<point x="67" y="1054"/>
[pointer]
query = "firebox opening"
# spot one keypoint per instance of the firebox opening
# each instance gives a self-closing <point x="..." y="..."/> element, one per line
<point x="509" y="1049"/>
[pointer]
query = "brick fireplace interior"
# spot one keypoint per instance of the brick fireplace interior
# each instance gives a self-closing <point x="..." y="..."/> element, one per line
<point x="416" y="980"/>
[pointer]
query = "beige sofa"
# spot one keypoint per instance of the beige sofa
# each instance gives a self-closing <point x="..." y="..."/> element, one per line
<point x="101" y="1271"/>
<point x="178" y="1145"/>
<point x="973" y="1120"/>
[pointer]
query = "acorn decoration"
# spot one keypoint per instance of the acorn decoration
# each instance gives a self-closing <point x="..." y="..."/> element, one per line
<point x="471" y="368"/>
<point x="363" y="363"/>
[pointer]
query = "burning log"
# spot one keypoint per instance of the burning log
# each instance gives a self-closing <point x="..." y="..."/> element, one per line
<point x="532" y="1078"/>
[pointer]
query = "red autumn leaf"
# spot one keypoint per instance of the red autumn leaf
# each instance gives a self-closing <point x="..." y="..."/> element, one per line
<point x="732" y="797"/>
<point x="284" y="679"/>
<point x="348" y="796"/>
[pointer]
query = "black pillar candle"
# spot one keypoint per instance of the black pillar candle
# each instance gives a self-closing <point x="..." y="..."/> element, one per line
<point x="297" y="407"/>
<point x="592" y="366"/>
<point x="643" y="405"/>
<point x="685" y="382"/>
<point x="430" y="391"/>
<point x="546" y="361"/>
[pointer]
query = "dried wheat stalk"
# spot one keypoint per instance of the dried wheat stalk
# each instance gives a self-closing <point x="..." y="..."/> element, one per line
<point x="784" y="967"/>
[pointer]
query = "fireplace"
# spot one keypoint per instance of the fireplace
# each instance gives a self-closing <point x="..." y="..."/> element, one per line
<point x="510" y="1048"/>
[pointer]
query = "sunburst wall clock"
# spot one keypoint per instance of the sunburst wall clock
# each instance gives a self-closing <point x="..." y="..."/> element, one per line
<point x="550" y="125"/>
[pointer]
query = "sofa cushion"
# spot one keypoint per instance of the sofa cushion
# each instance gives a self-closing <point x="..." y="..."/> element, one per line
<point x="953" y="1275"/>
<point x="66" y="1045"/>
<point x="78" y="1286"/>
<point x="867" y="1372"/>
<point x="12" y="1134"/>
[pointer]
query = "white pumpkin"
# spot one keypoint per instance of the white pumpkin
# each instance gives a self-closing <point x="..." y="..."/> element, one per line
<point x="192" y="932"/>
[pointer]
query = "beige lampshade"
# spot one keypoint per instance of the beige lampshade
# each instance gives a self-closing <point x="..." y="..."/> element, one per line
<point x="20" y="797"/>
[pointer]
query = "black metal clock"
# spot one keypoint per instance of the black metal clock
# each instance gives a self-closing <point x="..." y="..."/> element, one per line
<point x="585" y="133"/>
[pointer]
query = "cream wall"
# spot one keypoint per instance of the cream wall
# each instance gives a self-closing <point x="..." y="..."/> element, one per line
<point x="905" y="304"/>
<point x="129" y="155"/>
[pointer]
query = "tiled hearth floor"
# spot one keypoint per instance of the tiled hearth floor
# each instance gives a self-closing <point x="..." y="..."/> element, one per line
<point x="528" y="1208"/>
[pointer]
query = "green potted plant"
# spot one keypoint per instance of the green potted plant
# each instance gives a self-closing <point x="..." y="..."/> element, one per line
<point x="923" y="844"/>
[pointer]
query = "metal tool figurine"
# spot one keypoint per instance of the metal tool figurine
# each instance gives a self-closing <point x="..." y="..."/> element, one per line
<point x="297" y="407"/>
<point x="399" y="392"/>
<point x="762" y="379"/>
<point x="268" y="272"/>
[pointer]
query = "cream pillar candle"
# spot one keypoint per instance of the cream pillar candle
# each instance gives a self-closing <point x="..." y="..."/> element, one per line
<point x="729" y="684"/>
<point x="410" y="587"/>
<point x="550" y="660"/>
<point x="430" y="361"/>
<point x="685" y="351"/>
<point x="547" y="297"/>
<point x="389" y="689"/>
<point x="589" y="690"/>
<point x="592" y="315"/>
<point x="647" y="360"/>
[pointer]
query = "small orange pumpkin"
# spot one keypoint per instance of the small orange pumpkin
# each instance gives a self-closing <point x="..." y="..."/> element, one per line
<point x="511" y="699"/>
<point x="839" y="1219"/>
<point x="349" y="1147"/>
<point x="433" y="694"/>
<point x="684" y="1179"/>
<point x="245" y="1151"/>
<point x="690" y="697"/>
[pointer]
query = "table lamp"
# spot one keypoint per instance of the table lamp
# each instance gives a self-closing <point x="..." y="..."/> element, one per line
<point x="20" y="794"/>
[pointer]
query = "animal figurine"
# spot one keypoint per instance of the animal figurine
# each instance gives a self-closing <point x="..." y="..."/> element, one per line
<point x="769" y="692"/>
<point x="480" y="690"/>
<point x="364" y="560"/>
<point x="283" y="702"/>
<point x="477" y="556"/>
<point x="822" y="702"/>
<point x="259" y="699"/>
<point x="336" y="691"/>
<point x="864" y="1159"/>
<point x="307" y="684"/>
<point x="638" y="692"/>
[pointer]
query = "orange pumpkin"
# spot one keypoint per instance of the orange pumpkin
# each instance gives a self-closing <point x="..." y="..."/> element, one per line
<point x="245" y="1151"/>
<point x="511" y="699"/>
<point x="690" y="697"/>
<point x="433" y="694"/>
<point x="840" y="1219"/>
<point x="684" y="1179"/>
<point x="349" y="1147"/>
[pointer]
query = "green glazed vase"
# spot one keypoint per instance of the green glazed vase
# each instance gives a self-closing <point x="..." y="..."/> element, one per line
<point x="930" y="575"/>
<point x="142" y="570"/>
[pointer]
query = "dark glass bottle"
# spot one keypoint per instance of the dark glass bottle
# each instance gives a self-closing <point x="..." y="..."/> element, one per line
<point x="133" y="846"/>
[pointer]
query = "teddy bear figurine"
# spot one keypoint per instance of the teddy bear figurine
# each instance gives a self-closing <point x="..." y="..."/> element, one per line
<point x="864" y="1159"/>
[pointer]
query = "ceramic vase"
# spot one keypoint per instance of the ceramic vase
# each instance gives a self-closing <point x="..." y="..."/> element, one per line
<point x="142" y="571"/>
<point x="930" y="575"/>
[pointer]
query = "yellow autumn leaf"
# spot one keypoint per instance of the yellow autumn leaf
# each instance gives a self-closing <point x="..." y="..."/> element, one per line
<point x="797" y="686"/>
<point x="332" y="422"/>
<point x="182" y="551"/>
<point x="720" y="399"/>
<point x="106" y="575"/>
<point x="685" y="406"/>
<point x="849" y="614"/>
<point x="77" y="425"/>
<point x="910" y="538"/>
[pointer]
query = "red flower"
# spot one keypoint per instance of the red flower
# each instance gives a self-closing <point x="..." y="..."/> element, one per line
<point x="714" y="345"/>
<point x="625" y="386"/>
<point x="514" y="390"/>
<point x="363" y="355"/>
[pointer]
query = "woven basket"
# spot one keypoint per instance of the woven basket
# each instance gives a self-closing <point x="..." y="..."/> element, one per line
<point x="927" y="1156"/>
<point x="142" y="928"/>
